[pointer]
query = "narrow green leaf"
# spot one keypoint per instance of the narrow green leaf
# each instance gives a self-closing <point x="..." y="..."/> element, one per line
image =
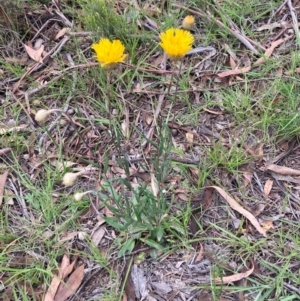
<point x="127" y="247"/>
<point x="152" y="244"/>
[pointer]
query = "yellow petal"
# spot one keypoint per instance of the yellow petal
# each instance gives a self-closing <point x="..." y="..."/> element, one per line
<point x="176" y="42"/>
<point x="109" y="53"/>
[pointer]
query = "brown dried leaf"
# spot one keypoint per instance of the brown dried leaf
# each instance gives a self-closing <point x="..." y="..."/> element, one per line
<point x="189" y="138"/>
<point x="232" y="62"/>
<point x="61" y="33"/>
<point x="67" y="236"/>
<point x="268" y="187"/>
<point x="258" y="210"/>
<point x="56" y="280"/>
<point x="154" y="184"/>
<point x="145" y="176"/>
<point x="283" y="170"/>
<point x="256" y="152"/>
<point x="36" y="55"/>
<point x="183" y="196"/>
<point x="247" y="175"/>
<point x="267" y="225"/>
<point x="200" y="255"/>
<point x="236" y="206"/>
<point x="235" y="277"/>
<point x="72" y="285"/>
<point x="98" y="235"/>
<point x="67" y="271"/>
<point x="205" y="296"/>
<point x="270" y="50"/>
<point x="3" y="178"/>
<point x="234" y="72"/>
<point x="129" y="286"/>
<point x="286" y="178"/>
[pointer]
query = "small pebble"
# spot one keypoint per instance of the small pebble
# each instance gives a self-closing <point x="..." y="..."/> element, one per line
<point x="174" y="132"/>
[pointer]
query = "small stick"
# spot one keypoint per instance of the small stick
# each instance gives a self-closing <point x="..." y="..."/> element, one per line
<point x="64" y="18"/>
<point x="294" y="18"/>
<point x="20" y="200"/>
<point x="291" y="287"/>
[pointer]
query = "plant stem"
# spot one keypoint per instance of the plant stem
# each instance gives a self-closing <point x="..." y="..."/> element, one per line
<point x="108" y="99"/>
<point x="172" y="76"/>
<point x="176" y="87"/>
<point x="171" y="80"/>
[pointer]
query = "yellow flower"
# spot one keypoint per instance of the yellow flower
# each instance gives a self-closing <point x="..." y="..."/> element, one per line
<point x="109" y="53"/>
<point x="176" y="42"/>
<point x="188" y="22"/>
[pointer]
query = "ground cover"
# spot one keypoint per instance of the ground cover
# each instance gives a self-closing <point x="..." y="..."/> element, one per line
<point x="160" y="179"/>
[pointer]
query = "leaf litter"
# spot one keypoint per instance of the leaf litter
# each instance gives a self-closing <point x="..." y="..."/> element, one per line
<point x="160" y="277"/>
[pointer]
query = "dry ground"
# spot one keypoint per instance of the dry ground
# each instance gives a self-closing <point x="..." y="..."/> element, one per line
<point x="188" y="174"/>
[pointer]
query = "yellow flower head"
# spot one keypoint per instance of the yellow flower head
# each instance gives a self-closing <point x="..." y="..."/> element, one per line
<point x="109" y="53"/>
<point x="188" y="22"/>
<point x="176" y="42"/>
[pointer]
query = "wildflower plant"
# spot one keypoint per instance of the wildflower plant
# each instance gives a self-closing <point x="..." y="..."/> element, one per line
<point x="176" y="43"/>
<point x="109" y="54"/>
<point x="139" y="213"/>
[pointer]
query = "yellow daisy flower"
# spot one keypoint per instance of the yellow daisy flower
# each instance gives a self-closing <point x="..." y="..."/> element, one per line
<point x="109" y="53"/>
<point x="176" y="42"/>
<point x="188" y="22"/>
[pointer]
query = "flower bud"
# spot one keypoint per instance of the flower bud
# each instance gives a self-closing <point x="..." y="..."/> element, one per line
<point x="42" y="115"/>
<point x="188" y="22"/>
<point x="70" y="178"/>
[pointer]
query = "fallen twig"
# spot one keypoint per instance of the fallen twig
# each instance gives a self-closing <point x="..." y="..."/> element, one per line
<point x="294" y="18"/>
<point x="20" y="199"/>
<point x="292" y="287"/>
<point x="63" y="17"/>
